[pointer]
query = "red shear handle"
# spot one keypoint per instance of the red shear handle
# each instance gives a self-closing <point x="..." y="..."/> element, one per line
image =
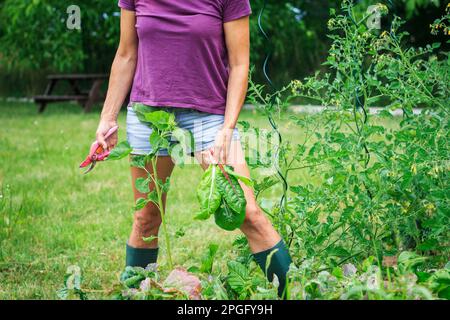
<point x="111" y="131"/>
<point x="96" y="152"/>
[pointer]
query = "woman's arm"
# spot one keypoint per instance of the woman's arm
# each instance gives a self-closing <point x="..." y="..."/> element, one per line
<point x="237" y="38"/>
<point x="121" y="78"/>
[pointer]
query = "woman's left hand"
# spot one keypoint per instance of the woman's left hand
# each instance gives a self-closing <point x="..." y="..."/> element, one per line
<point x="222" y="144"/>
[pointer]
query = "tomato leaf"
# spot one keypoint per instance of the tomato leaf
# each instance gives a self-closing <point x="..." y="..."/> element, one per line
<point x="149" y="239"/>
<point x="140" y="203"/>
<point x="141" y="109"/>
<point x="161" y="120"/>
<point x="142" y="185"/>
<point x="120" y="151"/>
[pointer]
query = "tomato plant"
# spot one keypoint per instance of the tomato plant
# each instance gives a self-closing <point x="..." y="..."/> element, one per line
<point x="371" y="219"/>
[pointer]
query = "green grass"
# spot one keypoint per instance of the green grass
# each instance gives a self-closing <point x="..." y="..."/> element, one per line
<point x="65" y="218"/>
<point x="59" y="217"/>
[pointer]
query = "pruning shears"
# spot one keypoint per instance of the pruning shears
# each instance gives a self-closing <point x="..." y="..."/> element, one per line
<point x="97" y="153"/>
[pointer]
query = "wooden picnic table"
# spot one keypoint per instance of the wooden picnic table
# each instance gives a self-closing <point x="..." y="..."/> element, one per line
<point x="85" y="98"/>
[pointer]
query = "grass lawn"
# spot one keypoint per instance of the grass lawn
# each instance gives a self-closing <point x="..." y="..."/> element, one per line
<point x="54" y="217"/>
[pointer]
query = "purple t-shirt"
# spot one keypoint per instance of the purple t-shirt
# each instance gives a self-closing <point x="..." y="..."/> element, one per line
<point x="182" y="56"/>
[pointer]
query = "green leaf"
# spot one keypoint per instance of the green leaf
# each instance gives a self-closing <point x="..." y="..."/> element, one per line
<point x="134" y="281"/>
<point x="202" y="215"/>
<point x="140" y="203"/>
<point x="430" y="244"/>
<point x="439" y="282"/>
<point x="208" y="193"/>
<point x="410" y="260"/>
<point x="208" y="259"/>
<point x="232" y="192"/>
<point x="247" y="181"/>
<point x="238" y="276"/>
<point x="422" y="276"/>
<point x="165" y="186"/>
<point x="157" y="141"/>
<point x="266" y="183"/>
<point x="338" y="273"/>
<point x="436" y="45"/>
<point x="149" y="239"/>
<point x="444" y="293"/>
<point x="245" y="125"/>
<point x="142" y="109"/>
<point x="142" y="185"/>
<point x="120" y="151"/>
<point x="161" y="120"/>
<point x="154" y="139"/>
<point x="228" y="219"/>
<point x="180" y="233"/>
<point x="193" y="269"/>
<point x="138" y="161"/>
<point x="153" y="197"/>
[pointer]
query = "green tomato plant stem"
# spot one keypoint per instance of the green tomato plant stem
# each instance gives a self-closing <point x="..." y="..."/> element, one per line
<point x="162" y="212"/>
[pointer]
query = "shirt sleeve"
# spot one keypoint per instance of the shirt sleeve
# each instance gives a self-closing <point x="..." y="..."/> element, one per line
<point x="127" y="4"/>
<point x="235" y="9"/>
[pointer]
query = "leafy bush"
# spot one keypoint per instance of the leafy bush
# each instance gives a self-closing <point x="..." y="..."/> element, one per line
<point x="373" y="191"/>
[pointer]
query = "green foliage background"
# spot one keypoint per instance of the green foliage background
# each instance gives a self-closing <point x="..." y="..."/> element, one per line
<point x="34" y="39"/>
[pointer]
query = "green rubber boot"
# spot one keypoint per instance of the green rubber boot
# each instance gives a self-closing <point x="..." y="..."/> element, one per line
<point x="279" y="264"/>
<point x="140" y="257"/>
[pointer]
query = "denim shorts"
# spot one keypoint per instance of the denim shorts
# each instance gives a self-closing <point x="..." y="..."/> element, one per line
<point x="203" y="126"/>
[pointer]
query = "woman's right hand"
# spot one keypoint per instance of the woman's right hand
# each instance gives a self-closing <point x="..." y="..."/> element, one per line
<point x="103" y="128"/>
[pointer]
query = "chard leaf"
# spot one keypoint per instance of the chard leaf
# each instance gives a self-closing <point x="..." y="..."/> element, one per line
<point x="202" y="215"/>
<point x="238" y="276"/>
<point x="232" y="192"/>
<point x="208" y="193"/>
<point x="227" y="219"/>
<point x="247" y="181"/>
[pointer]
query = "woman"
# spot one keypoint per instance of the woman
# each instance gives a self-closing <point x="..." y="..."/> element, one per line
<point x="191" y="57"/>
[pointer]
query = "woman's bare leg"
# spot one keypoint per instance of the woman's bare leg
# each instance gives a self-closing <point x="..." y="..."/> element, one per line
<point x="260" y="233"/>
<point x="148" y="220"/>
<point x="263" y="239"/>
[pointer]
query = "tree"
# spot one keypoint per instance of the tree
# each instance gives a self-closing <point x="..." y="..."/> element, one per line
<point x="34" y="39"/>
<point x="34" y="35"/>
